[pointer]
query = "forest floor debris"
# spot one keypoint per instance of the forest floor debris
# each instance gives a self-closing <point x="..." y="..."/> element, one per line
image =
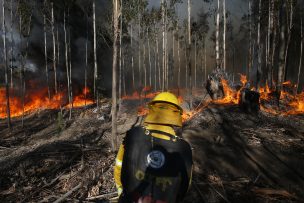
<point x="238" y="157"/>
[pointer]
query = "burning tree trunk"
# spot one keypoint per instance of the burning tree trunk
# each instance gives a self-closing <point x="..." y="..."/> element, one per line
<point x="282" y="49"/>
<point x="8" y="112"/>
<point x="45" y="52"/>
<point x="217" y="46"/>
<point x="114" y="67"/>
<point x="54" y="48"/>
<point x="95" y="51"/>
<point x="301" y="55"/>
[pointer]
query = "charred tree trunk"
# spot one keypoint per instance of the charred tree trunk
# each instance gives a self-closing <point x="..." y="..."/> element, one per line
<point x="150" y="64"/>
<point x="259" y="69"/>
<point x="114" y="77"/>
<point x="289" y="27"/>
<point x="95" y="49"/>
<point x="205" y="61"/>
<point x="54" y="48"/>
<point x="189" y="51"/>
<point x="132" y="59"/>
<point x="224" y="34"/>
<point x="301" y="55"/>
<point x="217" y="45"/>
<point x="7" y="95"/>
<point x="144" y="62"/>
<point x="70" y="67"/>
<point x="282" y="49"/>
<point x="86" y="66"/>
<point x="250" y="42"/>
<point x="67" y="62"/>
<point x="139" y="47"/>
<point x="12" y="47"/>
<point x="274" y="37"/>
<point x="269" y="28"/>
<point x="120" y="58"/>
<point x="164" y="48"/>
<point x="45" y="53"/>
<point x="179" y="59"/>
<point x="195" y="60"/>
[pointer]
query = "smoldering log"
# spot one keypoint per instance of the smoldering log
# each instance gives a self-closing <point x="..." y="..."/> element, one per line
<point x="249" y="101"/>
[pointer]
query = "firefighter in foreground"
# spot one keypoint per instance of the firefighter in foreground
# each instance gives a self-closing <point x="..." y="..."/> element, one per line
<point x="153" y="163"/>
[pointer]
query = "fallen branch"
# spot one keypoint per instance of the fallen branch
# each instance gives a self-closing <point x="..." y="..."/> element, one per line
<point x="68" y="193"/>
<point x="103" y="196"/>
<point x="273" y="192"/>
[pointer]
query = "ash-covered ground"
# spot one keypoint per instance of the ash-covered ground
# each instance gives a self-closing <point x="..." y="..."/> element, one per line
<point x="238" y="157"/>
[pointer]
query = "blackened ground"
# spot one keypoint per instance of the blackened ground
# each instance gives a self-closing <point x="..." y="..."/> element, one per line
<point x="238" y="157"/>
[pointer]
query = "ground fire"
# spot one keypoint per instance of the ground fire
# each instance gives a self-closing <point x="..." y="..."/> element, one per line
<point x="162" y="101"/>
<point x="38" y="100"/>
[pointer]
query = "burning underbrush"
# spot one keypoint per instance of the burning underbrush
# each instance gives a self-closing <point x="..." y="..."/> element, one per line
<point x="38" y="100"/>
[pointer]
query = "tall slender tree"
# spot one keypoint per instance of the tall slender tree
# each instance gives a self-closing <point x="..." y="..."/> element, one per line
<point x="54" y="47"/>
<point x="45" y="49"/>
<point x="289" y="31"/>
<point x="114" y="75"/>
<point x="224" y="35"/>
<point x="95" y="48"/>
<point x="8" y="112"/>
<point x="259" y="69"/>
<point x="217" y="35"/>
<point x="301" y="54"/>
<point x="280" y="77"/>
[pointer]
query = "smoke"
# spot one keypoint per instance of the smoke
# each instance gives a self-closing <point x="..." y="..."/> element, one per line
<point x="30" y="49"/>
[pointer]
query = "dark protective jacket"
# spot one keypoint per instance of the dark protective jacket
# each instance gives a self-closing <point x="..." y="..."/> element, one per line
<point x="153" y="169"/>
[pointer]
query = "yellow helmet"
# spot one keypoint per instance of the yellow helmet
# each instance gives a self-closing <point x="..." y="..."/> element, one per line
<point x="167" y="97"/>
<point x="164" y="109"/>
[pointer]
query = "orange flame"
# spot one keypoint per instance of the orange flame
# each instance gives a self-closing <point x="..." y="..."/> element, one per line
<point x="231" y="95"/>
<point x="38" y="100"/>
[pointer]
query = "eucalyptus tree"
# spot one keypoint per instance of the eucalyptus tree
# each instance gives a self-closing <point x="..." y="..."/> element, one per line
<point x="45" y="12"/>
<point x="8" y="113"/>
<point x="116" y="9"/>
<point x="129" y="17"/>
<point x="25" y="26"/>
<point x="301" y="53"/>
<point x="203" y="29"/>
<point x="280" y="76"/>
<point x="289" y="24"/>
